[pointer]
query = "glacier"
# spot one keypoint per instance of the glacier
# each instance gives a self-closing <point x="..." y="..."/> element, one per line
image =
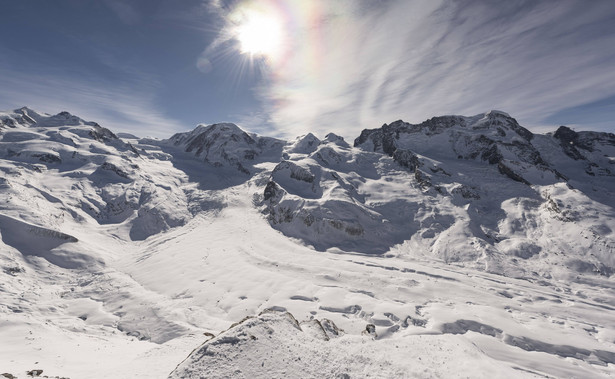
<point x="460" y="246"/>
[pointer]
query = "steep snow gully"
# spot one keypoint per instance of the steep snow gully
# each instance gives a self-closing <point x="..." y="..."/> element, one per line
<point x="457" y="247"/>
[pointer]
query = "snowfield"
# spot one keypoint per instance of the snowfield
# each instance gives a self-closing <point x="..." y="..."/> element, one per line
<point x="459" y="247"/>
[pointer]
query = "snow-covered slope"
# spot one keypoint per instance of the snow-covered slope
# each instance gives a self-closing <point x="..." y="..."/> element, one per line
<point x="480" y="191"/>
<point x="462" y="246"/>
<point x="57" y="167"/>
<point x="276" y="345"/>
<point x="227" y="145"/>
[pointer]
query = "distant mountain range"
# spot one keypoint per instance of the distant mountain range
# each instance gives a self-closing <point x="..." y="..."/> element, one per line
<point x="479" y="192"/>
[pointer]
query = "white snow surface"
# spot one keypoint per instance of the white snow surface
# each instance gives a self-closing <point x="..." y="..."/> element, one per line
<point x="474" y="249"/>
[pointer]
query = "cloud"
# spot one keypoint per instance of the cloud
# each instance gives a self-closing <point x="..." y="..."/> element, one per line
<point x="120" y="108"/>
<point x="124" y="11"/>
<point x="203" y="64"/>
<point x="353" y="65"/>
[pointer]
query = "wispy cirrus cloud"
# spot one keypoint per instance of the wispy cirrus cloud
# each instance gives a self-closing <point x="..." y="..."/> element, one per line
<point x="353" y="65"/>
<point x="124" y="11"/>
<point x="129" y="108"/>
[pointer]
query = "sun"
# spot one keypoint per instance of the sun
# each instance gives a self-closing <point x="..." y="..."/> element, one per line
<point x="259" y="34"/>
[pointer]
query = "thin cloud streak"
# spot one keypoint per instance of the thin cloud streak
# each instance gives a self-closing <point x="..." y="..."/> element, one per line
<point x="119" y="109"/>
<point x="124" y="11"/>
<point x="415" y="60"/>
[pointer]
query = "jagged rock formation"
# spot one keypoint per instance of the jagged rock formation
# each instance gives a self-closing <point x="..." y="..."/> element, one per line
<point x="493" y="137"/>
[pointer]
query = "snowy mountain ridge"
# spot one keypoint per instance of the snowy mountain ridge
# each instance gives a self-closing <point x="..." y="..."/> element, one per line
<point x="225" y="144"/>
<point x="440" y="175"/>
<point x="155" y="240"/>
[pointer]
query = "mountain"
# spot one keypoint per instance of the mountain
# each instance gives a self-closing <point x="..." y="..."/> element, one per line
<point x="489" y="247"/>
<point x="227" y="145"/>
<point x="478" y="190"/>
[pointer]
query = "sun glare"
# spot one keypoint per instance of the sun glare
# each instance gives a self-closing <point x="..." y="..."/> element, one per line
<point x="260" y="34"/>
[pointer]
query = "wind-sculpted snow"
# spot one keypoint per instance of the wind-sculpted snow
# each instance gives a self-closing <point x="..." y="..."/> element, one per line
<point x="461" y="246"/>
<point x="274" y="344"/>
<point x="32" y="240"/>
<point x="260" y="346"/>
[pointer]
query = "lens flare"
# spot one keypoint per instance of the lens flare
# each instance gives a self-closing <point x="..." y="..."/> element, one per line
<point x="260" y="34"/>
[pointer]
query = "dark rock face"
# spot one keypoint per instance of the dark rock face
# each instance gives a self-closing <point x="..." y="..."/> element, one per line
<point x="36" y="372"/>
<point x="567" y="136"/>
<point x="466" y="192"/>
<point x="569" y="140"/>
<point x="111" y="167"/>
<point x="505" y="170"/>
<point x="296" y="172"/>
<point x="407" y="159"/>
<point x="47" y="158"/>
<point x="588" y="147"/>
<point x="385" y="140"/>
<point x="271" y="190"/>
<point x="572" y="141"/>
<point x="490" y="151"/>
<point x="436" y="125"/>
<point x="102" y="134"/>
<point x="422" y="179"/>
<point x="489" y="137"/>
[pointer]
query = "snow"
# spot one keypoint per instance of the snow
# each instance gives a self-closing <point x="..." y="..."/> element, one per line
<point x="275" y="345"/>
<point x="120" y="259"/>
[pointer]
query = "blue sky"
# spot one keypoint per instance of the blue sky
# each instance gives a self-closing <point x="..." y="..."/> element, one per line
<point x="154" y="67"/>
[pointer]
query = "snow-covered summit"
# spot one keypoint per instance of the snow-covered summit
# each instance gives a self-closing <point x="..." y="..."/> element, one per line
<point x="26" y="117"/>
<point x="335" y="139"/>
<point x="492" y="137"/>
<point x="226" y="144"/>
<point x="305" y="144"/>
<point x="93" y="174"/>
<point x="574" y="143"/>
<point x="492" y="126"/>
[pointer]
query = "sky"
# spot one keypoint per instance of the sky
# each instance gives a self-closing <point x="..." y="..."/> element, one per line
<point x="284" y="68"/>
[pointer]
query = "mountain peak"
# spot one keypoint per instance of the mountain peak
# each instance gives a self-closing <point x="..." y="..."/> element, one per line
<point x="496" y="113"/>
<point x="335" y="139"/>
<point x="224" y="144"/>
<point x="305" y="144"/>
<point x="227" y="127"/>
<point x="29" y="116"/>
